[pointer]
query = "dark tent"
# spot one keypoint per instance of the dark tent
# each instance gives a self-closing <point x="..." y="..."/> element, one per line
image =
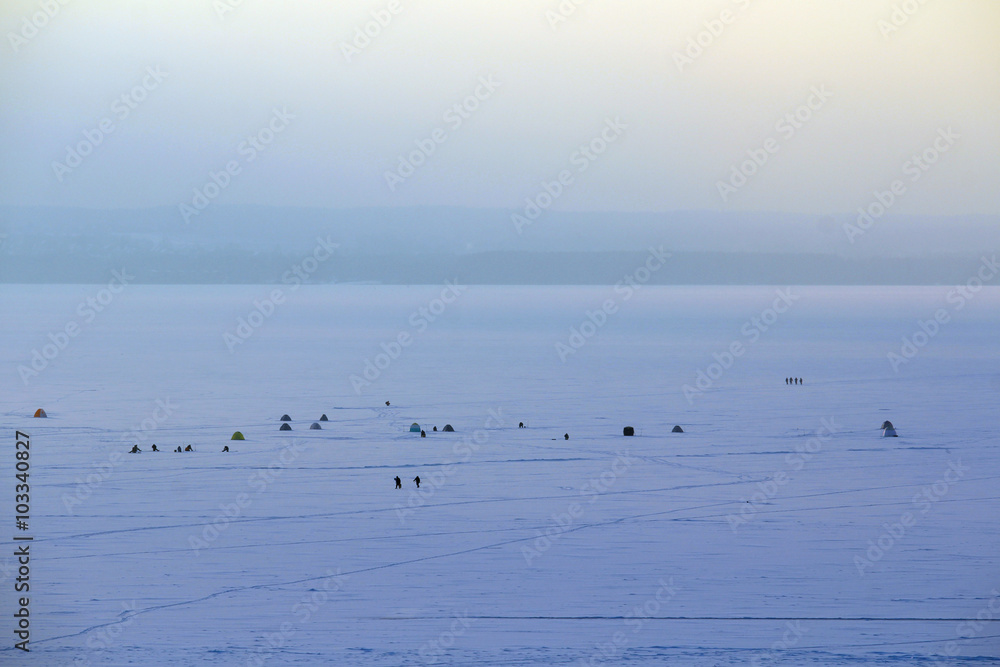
<point x="677" y="429"/>
<point x="285" y="418"/>
<point x="324" y="419"/>
<point x="285" y="427"/>
<point x="628" y="431"/>
<point x="448" y="429"/>
<point x="315" y="426"/>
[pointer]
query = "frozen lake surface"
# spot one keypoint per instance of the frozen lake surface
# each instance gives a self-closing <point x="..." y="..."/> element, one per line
<point x="779" y="528"/>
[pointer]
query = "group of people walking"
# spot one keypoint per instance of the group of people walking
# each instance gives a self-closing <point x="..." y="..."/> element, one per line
<point x="399" y="482"/>
<point x="793" y="380"/>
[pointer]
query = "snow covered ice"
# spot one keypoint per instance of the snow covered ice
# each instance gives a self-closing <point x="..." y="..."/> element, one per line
<point x="779" y="528"/>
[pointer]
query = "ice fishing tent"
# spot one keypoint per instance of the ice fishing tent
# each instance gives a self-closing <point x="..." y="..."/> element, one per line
<point x="887" y="430"/>
<point x="324" y="419"/>
<point x="448" y="429"/>
<point x="315" y="426"/>
<point x="677" y="429"/>
<point x="628" y="430"/>
<point x="285" y="427"/>
<point x="237" y="436"/>
<point x="414" y="427"/>
<point x="285" y="418"/>
<point x="40" y="413"/>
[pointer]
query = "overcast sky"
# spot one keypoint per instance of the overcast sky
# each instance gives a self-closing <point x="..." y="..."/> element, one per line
<point x="201" y="77"/>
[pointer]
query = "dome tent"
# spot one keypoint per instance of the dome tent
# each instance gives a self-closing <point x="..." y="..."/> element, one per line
<point x="628" y="430"/>
<point x="323" y="418"/>
<point x="448" y="429"/>
<point x="237" y="436"/>
<point x="677" y="429"/>
<point x="40" y="413"/>
<point x="285" y="427"/>
<point x="887" y="430"/>
<point x="414" y="427"/>
<point x="315" y="426"/>
<point x="285" y="418"/>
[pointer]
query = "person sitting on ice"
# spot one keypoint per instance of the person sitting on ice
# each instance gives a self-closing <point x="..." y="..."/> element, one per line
<point x="135" y="449"/>
<point x="520" y="424"/>
<point x="226" y="448"/>
<point x="188" y="449"/>
<point x="565" y="436"/>
<point x="399" y="482"/>
<point x="178" y="448"/>
<point x="155" y="449"/>
<point x="417" y="480"/>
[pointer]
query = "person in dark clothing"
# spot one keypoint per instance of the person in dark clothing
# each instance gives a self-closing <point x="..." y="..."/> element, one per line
<point x="399" y="482"/>
<point x="226" y="448"/>
<point x="387" y="404"/>
<point x="188" y="449"/>
<point x="135" y="449"/>
<point x="435" y="428"/>
<point x="417" y="480"/>
<point x="520" y="425"/>
<point x="155" y="449"/>
<point x="423" y="434"/>
<point x="178" y="448"/>
<point x="565" y="436"/>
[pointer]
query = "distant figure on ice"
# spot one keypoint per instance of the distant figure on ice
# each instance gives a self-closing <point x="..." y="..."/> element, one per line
<point x="387" y="404"/>
<point x="178" y="448"/>
<point x="399" y="482"/>
<point x="188" y="449"/>
<point x="520" y="424"/>
<point x="226" y="448"/>
<point x="155" y="449"/>
<point x="417" y="480"/>
<point x="135" y="449"/>
<point x="423" y="434"/>
<point x="565" y="436"/>
<point x="800" y="380"/>
<point x="435" y="428"/>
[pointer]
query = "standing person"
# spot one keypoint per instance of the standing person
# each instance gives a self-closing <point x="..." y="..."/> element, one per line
<point x="399" y="482"/>
<point x="417" y="480"/>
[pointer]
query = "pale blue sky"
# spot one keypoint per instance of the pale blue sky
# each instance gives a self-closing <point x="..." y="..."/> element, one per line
<point x="684" y="122"/>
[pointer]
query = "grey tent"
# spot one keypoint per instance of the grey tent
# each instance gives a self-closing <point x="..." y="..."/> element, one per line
<point x="285" y="418"/>
<point x="324" y="419"/>
<point x="315" y="426"/>
<point x="285" y="427"/>
<point x="677" y="429"/>
<point x="448" y="429"/>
